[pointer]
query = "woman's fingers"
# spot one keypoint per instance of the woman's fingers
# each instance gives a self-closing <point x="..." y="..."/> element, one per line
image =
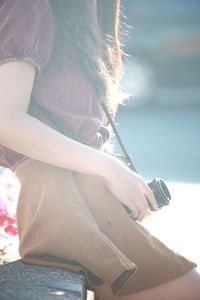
<point x="150" y="196"/>
<point x="142" y="207"/>
<point x="134" y="213"/>
<point x="144" y="194"/>
<point x="131" y="190"/>
<point x="138" y="205"/>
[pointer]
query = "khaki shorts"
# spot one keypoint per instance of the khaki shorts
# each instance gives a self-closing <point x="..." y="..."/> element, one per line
<point x="72" y="221"/>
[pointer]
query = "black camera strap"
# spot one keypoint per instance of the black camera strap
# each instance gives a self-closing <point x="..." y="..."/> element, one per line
<point x="157" y="185"/>
<point x="68" y="133"/>
<point x="126" y="155"/>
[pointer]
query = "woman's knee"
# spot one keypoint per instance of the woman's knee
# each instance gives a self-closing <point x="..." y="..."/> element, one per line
<point x="186" y="287"/>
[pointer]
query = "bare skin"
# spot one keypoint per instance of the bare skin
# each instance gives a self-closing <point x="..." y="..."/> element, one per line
<point x="27" y="135"/>
<point x="186" y="287"/>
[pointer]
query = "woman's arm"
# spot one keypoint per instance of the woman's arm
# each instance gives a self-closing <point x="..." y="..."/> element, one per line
<point x="27" y="135"/>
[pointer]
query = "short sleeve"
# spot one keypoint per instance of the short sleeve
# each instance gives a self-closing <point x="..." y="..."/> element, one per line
<point x="26" y="32"/>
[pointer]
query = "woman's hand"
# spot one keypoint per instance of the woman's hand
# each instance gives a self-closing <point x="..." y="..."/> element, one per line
<point x="130" y="189"/>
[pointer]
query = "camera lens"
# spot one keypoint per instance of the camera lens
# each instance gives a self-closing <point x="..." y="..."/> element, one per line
<point x="160" y="191"/>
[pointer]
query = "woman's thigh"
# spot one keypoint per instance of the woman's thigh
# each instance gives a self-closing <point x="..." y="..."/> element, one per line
<point x="57" y="206"/>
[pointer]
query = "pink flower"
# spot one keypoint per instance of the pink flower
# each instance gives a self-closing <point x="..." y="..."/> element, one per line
<point x="8" y="223"/>
<point x="11" y="229"/>
<point x="9" y="191"/>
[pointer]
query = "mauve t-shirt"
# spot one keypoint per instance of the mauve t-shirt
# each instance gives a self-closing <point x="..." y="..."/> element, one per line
<point x="62" y="96"/>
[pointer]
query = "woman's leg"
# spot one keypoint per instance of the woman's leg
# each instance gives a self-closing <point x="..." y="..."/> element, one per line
<point x="56" y="228"/>
<point x="162" y="274"/>
<point x="186" y="287"/>
<point x="73" y="217"/>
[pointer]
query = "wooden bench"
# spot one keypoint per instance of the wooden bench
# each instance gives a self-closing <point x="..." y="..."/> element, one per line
<point x="21" y="281"/>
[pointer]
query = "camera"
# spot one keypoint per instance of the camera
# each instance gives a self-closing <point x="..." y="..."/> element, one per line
<point x="161" y="193"/>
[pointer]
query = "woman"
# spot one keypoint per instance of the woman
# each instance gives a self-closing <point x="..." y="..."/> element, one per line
<point x="59" y="60"/>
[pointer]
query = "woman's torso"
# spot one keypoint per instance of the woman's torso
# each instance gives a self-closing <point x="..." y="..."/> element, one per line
<point x="65" y="92"/>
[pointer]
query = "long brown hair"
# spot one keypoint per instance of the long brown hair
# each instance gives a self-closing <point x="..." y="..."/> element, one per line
<point x="94" y="30"/>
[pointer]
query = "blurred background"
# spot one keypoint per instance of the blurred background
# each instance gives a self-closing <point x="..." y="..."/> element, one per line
<point x="160" y="123"/>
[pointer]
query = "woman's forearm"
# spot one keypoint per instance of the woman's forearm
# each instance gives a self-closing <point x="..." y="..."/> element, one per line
<point x="36" y="140"/>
